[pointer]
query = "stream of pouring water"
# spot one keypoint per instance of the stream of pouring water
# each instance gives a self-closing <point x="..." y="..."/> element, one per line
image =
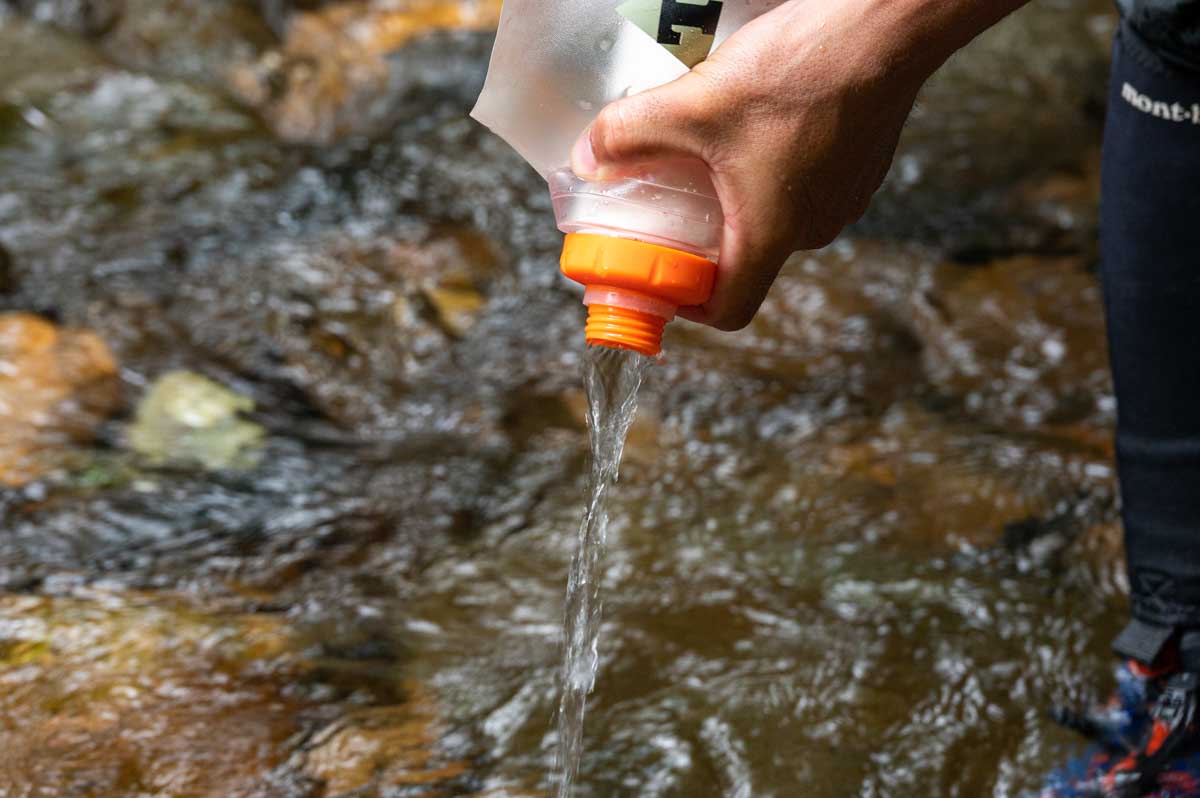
<point x="612" y="378"/>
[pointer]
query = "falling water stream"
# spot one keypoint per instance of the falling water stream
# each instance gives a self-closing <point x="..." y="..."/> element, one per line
<point x="612" y="378"/>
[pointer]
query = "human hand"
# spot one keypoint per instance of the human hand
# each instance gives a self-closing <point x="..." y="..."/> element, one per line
<point x="797" y="117"/>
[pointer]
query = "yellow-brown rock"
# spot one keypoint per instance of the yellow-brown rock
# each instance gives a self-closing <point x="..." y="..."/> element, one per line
<point x="452" y="272"/>
<point x="115" y="694"/>
<point x="188" y="418"/>
<point x="56" y="385"/>
<point x="119" y="694"/>
<point x="383" y="747"/>
<point x="457" y="306"/>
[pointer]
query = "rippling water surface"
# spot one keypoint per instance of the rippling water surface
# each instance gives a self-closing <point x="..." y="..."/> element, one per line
<point x="857" y="548"/>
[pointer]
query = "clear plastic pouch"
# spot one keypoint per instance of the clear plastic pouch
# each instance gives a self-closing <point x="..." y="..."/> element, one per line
<point x="557" y="63"/>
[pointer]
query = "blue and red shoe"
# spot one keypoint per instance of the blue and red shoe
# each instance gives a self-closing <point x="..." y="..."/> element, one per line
<point x="1147" y="740"/>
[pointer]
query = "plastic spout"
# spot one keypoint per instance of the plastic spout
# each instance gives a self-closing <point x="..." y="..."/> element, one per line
<point x="621" y="319"/>
<point x="633" y="288"/>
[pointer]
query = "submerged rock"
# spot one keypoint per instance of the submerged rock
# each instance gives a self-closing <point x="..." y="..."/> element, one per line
<point x="1015" y="342"/>
<point x="191" y="39"/>
<point x="359" y="322"/>
<point x="375" y="751"/>
<point x="137" y="694"/>
<point x="457" y="306"/>
<point x="1019" y="341"/>
<point x="331" y="77"/>
<point x="63" y="61"/>
<point x="56" y="386"/>
<point x="936" y="482"/>
<point x="188" y="418"/>
<point x="145" y="694"/>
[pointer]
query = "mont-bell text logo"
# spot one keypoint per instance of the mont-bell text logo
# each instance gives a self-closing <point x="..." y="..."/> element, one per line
<point x="687" y="28"/>
<point x="1170" y="111"/>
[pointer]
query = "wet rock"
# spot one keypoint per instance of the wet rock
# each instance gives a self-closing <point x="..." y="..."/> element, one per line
<point x="113" y="178"/>
<point x="136" y="693"/>
<point x="129" y="694"/>
<point x="376" y="751"/>
<point x="63" y="61"/>
<point x="188" y="418"/>
<point x="277" y="12"/>
<point x="457" y="306"/>
<point x="357" y="321"/>
<point x="262" y="528"/>
<point x="88" y="17"/>
<point x="332" y="78"/>
<point x="187" y="39"/>
<point x="56" y="386"/>
<point x="308" y="518"/>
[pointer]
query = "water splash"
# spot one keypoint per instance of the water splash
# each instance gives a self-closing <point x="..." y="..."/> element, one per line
<point x="612" y="378"/>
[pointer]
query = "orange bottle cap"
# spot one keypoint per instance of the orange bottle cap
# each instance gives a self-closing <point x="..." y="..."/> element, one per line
<point x="634" y="287"/>
<point x="679" y="277"/>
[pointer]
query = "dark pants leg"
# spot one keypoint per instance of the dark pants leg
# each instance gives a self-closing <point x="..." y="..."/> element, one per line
<point x="1150" y="236"/>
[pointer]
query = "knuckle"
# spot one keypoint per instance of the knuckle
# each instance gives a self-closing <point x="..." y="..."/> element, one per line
<point x="734" y="320"/>
<point x="692" y="111"/>
<point x="860" y="201"/>
<point x="737" y="314"/>
<point x="610" y="132"/>
<point x="821" y="234"/>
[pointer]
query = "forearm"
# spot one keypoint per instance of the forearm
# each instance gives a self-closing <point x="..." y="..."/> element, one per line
<point x="898" y="38"/>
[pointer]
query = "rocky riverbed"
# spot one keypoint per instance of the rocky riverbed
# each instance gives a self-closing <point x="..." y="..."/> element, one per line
<point x="292" y="443"/>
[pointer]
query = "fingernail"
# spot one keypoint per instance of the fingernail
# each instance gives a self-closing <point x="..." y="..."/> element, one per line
<point x="583" y="160"/>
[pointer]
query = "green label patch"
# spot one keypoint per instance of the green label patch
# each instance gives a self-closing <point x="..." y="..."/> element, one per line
<point x="687" y="28"/>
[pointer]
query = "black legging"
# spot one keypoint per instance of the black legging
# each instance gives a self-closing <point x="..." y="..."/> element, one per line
<point x="1150" y="244"/>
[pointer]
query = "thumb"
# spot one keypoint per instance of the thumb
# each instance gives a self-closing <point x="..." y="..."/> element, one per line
<point x="662" y="123"/>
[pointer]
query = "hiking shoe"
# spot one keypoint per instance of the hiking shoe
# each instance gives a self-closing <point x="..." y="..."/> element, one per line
<point x="1164" y="762"/>
<point x="1172" y="734"/>
<point x="1118" y="723"/>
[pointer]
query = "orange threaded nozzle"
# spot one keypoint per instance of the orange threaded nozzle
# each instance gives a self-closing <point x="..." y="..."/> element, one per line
<point x="633" y="288"/>
<point x="622" y="328"/>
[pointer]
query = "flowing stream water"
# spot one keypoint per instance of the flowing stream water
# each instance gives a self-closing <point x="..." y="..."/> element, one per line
<point x="857" y="550"/>
<point x="612" y="378"/>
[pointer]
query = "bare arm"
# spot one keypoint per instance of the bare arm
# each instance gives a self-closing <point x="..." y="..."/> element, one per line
<point x="797" y="117"/>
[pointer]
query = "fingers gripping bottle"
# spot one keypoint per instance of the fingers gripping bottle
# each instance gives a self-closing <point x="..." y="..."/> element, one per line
<point x="642" y="246"/>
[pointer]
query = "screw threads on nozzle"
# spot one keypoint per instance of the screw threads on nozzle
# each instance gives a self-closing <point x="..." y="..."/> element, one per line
<point x="633" y="288"/>
<point x="624" y="328"/>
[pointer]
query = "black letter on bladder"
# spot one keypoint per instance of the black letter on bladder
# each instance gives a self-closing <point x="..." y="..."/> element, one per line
<point x="688" y="15"/>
